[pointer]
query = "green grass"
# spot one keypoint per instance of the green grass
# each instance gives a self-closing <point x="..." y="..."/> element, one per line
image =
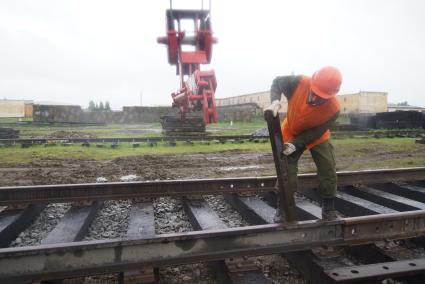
<point x="351" y="154"/>
<point x="369" y="153"/>
<point x="395" y="129"/>
<point x="397" y="141"/>
<point x="130" y="130"/>
<point x="14" y="119"/>
<point x="16" y="154"/>
<point x="236" y="128"/>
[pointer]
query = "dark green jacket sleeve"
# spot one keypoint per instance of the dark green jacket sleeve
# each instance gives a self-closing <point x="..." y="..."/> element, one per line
<point x="310" y="135"/>
<point x="283" y="85"/>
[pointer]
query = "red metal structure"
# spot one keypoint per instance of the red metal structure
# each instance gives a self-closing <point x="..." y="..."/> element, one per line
<point x="197" y="88"/>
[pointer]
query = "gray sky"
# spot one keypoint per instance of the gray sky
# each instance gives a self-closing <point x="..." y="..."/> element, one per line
<point x="76" y="51"/>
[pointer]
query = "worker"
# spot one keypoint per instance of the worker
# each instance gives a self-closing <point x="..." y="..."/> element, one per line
<point x="312" y="109"/>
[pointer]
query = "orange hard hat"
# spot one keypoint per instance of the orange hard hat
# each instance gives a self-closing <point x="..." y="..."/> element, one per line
<point x="326" y="82"/>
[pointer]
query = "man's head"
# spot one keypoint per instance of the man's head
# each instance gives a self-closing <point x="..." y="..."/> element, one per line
<point x="325" y="83"/>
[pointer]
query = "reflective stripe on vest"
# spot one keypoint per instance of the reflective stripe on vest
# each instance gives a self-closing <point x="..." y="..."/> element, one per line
<point x="302" y="116"/>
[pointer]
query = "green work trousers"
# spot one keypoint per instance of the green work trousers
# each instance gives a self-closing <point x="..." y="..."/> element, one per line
<point x="324" y="158"/>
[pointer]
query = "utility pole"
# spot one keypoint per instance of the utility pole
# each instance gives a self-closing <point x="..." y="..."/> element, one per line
<point x="141" y="98"/>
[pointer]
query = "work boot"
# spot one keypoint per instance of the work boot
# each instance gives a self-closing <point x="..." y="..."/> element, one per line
<point x="328" y="209"/>
<point x="278" y="216"/>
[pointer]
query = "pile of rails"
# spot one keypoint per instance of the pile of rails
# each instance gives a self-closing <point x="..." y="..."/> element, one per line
<point x="400" y="119"/>
<point x="379" y="207"/>
<point x="390" y="133"/>
<point x="388" y="120"/>
<point x="8" y="133"/>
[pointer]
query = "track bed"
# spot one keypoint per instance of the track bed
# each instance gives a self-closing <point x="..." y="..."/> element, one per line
<point x="186" y="222"/>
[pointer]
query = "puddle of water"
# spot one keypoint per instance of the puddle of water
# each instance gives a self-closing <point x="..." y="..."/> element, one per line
<point x="241" y="168"/>
<point x="128" y="178"/>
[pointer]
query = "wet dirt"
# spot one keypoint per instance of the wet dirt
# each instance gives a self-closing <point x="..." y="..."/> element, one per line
<point x="147" y="167"/>
<point x="234" y="163"/>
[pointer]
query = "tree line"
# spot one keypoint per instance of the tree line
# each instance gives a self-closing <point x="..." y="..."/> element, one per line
<point x="94" y="106"/>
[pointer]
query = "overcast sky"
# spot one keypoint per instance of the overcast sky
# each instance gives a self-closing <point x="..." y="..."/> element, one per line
<point x="76" y="51"/>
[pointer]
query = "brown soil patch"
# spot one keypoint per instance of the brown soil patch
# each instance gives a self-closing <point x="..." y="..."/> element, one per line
<point x="211" y="165"/>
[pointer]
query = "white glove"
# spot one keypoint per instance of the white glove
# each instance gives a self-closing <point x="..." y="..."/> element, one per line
<point x="288" y="149"/>
<point x="274" y="107"/>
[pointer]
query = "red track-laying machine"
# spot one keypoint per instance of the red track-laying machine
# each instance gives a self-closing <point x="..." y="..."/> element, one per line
<point x="195" y="98"/>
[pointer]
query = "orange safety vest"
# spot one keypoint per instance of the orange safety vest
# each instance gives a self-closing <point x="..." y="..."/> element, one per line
<point x="302" y="116"/>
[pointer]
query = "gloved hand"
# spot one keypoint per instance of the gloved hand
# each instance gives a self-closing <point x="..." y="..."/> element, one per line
<point x="274" y="107"/>
<point x="289" y="148"/>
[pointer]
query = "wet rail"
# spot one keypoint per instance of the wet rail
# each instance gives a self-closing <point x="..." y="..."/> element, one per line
<point x="381" y="212"/>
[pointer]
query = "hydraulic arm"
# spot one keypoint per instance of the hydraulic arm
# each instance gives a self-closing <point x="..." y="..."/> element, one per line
<point x="187" y="50"/>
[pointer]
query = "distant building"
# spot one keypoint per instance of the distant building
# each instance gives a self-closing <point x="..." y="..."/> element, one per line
<point x="364" y="102"/>
<point x="361" y="102"/>
<point x="16" y="108"/>
<point x="262" y="99"/>
<point x="53" y="103"/>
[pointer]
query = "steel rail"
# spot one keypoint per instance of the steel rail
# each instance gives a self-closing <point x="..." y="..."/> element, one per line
<point x="124" y="190"/>
<point x="94" y="257"/>
<point x="132" y="139"/>
<point x="370" y="273"/>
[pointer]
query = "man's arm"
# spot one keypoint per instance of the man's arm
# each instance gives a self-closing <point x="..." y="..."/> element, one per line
<point x="285" y="85"/>
<point x="310" y="135"/>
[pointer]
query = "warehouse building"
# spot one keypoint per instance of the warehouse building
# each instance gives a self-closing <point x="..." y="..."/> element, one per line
<point x="364" y="102"/>
<point x="16" y="108"/>
<point x="361" y="102"/>
<point x="262" y="99"/>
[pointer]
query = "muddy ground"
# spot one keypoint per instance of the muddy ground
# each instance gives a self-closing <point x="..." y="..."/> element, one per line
<point x="149" y="167"/>
<point x="207" y="165"/>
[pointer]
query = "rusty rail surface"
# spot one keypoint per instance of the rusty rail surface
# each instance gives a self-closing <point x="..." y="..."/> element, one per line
<point x="93" y="257"/>
<point x="125" y="190"/>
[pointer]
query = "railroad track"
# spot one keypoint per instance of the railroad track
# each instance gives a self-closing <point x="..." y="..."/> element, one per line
<point x="380" y="133"/>
<point x="218" y="138"/>
<point x="207" y="138"/>
<point x="380" y="233"/>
